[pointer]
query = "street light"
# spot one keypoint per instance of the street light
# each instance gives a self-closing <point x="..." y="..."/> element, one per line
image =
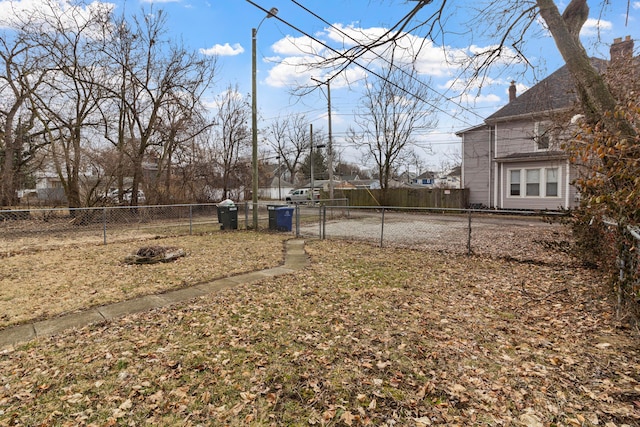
<point x="254" y="120"/>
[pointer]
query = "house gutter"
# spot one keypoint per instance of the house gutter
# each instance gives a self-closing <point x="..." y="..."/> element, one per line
<point x="530" y="159"/>
<point x="527" y="116"/>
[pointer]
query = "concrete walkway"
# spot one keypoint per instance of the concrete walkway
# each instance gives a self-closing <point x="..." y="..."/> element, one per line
<point x="295" y="259"/>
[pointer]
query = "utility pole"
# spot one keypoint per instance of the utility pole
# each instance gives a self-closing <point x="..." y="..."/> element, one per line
<point x="330" y="143"/>
<point x="254" y="120"/>
<point x="279" y="176"/>
<point x="311" y="156"/>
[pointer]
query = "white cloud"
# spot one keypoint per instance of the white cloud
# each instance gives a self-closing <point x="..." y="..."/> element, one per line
<point x="349" y="35"/>
<point x="293" y="71"/>
<point x="223" y="50"/>
<point x="636" y="5"/>
<point x="36" y="12"/>
<point x="160" y="1"/>
<point x="593" y="26"/>
<point x="300" y="56"/>
<point x="292" y="46"/>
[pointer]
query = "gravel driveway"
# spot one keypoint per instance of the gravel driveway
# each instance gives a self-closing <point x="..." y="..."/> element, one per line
<point x="526" y="238"/>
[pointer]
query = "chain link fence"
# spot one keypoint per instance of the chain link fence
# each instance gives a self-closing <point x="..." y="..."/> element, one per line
<point x="621" y="241"/>
<point x="520" y="235"/>
<point x="524" y="236"/>
<point x="31" y="229"/>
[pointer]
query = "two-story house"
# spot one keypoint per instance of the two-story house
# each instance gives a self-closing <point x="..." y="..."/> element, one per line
<point x="514" y="159"/>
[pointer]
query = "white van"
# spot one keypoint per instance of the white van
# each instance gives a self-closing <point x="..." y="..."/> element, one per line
<point x="302" y="195"/>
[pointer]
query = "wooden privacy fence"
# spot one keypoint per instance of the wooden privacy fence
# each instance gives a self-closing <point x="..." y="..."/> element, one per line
<point x="409" y="197"/>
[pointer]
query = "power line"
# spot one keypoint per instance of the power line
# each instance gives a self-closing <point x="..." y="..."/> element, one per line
<point x="342" y="55"/>
<point x="367" y="48"/>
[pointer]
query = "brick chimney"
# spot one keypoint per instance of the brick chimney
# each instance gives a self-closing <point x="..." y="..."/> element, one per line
<point x="512" y="91"/>
<point x="621" y="49"/>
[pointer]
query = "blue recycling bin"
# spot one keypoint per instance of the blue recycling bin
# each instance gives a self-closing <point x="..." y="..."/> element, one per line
<point x="283" y="218"/>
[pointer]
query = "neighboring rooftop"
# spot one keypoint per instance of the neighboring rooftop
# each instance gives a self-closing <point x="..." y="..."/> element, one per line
<point x="555" y="92"/>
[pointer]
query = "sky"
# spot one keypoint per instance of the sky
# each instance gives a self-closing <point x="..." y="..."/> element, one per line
<point x="305" y="30"/>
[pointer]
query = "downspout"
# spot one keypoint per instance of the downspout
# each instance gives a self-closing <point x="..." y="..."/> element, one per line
<point x="491" y="195"/>
<point x="496" y="175"/>
<point x="567" y="186"/>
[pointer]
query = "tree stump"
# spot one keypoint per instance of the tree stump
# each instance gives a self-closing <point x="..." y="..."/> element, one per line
<point x="155" y="254"/>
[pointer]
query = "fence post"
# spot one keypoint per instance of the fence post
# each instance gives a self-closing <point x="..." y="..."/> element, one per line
<point x="297" y="220"/>
<point x="323" y="222"/>
<point x="104" y="225"/>
<point x="246" y="215"/>
<point x="190" y="220"/>
<point x="382" y="229"/>
<point x="469" y="234"/>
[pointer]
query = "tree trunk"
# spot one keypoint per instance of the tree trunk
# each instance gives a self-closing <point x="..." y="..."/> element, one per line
<point x="595" y="97"/>
<point x="9" y="169"/>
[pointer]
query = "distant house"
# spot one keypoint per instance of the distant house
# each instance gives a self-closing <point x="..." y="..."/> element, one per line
<point x="427" y="179"/>
<point x="49" y="186"/>
<point x="444" y="179"/>
<point x="275" y="189"/>
<point x="514" y="160"/>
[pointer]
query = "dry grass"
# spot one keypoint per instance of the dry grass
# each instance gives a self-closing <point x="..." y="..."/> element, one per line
<point x="73" y="275"/>
<point x="364" y="336"/>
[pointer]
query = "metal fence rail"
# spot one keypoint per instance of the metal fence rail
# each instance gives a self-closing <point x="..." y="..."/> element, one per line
<point x="33" y="228"/>
<point x="521" y="235"/>
<point x="513" y="234"/>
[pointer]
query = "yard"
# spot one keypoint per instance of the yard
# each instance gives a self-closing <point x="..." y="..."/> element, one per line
<point x="363" y="336"/>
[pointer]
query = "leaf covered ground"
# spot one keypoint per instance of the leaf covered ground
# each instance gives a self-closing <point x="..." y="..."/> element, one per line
<point x="363" y="336"/>
<point x="71" y="276"/>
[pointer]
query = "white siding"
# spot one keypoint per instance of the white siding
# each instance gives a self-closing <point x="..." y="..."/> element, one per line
<point x="542" y="201"/>
<point x="476" y="165"/>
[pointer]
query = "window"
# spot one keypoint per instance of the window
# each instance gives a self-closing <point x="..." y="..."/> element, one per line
<point x="542" y="136"/>
<point x="552" y="183"/>
<point x="538" y="182"/>
<point x="515" y="182"/>
<point x="533" y="182"/>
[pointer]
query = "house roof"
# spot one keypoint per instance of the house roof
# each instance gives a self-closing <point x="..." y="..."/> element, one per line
<point x="555" y="92"/>
<point x="455" y="171"/>
<point x="538" y="155"/>
<point x="427" y="175"/>
<point x="472" y="128"/>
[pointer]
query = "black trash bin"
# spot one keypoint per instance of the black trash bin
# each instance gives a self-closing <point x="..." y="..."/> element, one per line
<point x="228" y="217"/>
<point x="284" y="216"/>
<point x="273" y="222"/>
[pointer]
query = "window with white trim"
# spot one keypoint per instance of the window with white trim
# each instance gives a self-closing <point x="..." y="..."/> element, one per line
<point x="533" y="182"/>
<point x="514" y="182"/>
<point x="551" y="181"/>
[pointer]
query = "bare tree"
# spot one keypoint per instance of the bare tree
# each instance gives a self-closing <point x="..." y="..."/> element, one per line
<point x="67" y="103"/>
<point x="233" y="136"/>
<point x="511" y="24"/>
<point x="291" y="137"/>
<point x="21" y="74"/>
<point x="392" y="111"/>
<point x="181" y="122"/>
<point x="152" y="74"/>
